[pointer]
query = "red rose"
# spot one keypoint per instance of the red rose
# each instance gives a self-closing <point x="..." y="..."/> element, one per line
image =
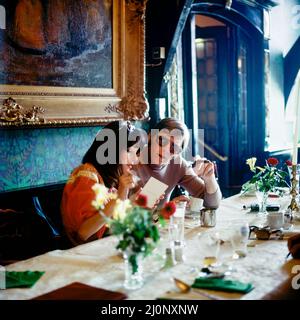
<point x="168" y="209"/>
<point x="141" y="200"/>
<point x="272" y="162"/>
<point x="289" y="163"/>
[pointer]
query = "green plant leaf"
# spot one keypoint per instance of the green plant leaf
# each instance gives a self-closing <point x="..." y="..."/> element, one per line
<point x="123" y="244"/>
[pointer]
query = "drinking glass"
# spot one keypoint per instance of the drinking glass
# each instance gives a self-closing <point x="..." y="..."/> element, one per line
<point x="209" y="247"/>
<point x="239" y="239"/>
<point x="225" y="247"/>
<point x="176" y="226"/>
<point x="193" y="213"/>
<point x="284" y="202"/>
<point x="217" y="249"/>
<point x="275" y="220"/>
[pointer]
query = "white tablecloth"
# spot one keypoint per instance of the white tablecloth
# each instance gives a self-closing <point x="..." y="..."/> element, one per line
<point x="100" y="265"/>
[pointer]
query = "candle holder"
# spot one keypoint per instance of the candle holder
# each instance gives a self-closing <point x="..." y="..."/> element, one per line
<point x="293" y="207"/>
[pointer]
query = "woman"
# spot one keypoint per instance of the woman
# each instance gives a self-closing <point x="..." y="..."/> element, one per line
<point x="162" y="159"/>
<point x="107" y="161"/>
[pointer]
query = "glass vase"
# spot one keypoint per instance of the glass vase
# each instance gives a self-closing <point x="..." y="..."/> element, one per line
<point x="133" y="275"/>
<point x="262" y="198"/>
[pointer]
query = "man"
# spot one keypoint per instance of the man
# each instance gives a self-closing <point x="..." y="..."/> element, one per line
<point x="161" y="158"/>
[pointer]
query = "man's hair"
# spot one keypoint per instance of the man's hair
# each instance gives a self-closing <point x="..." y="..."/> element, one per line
<point x="174" y="124"/>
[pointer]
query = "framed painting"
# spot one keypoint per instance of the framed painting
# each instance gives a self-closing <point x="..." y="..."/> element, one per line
<point x="68" y="62"/>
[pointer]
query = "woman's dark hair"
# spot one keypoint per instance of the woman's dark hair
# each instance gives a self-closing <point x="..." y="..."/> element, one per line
<point x="110" y="172"/>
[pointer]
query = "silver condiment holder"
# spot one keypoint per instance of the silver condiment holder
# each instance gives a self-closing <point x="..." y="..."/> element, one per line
<point x="208" y="217"/>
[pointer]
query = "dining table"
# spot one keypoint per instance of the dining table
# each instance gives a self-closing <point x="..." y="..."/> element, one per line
<point x="99" y="264"/>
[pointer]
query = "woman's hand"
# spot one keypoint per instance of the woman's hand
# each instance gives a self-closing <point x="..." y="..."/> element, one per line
<point x="134" y="196"/>
<point x="126" y="182"/>
<point x="158" y="201"/>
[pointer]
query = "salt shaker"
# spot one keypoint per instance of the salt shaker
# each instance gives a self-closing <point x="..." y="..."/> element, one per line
<point x="178" y="251"/>
<point x="170" y="261"/>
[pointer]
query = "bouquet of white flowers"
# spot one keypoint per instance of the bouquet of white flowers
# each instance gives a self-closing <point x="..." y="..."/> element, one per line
<point x="132" y="222"/>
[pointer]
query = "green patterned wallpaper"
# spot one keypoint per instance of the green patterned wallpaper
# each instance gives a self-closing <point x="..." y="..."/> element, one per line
<point x="33" y="157"/>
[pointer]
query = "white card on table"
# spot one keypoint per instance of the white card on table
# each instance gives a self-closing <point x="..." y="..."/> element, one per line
<point x="153" y="189"/>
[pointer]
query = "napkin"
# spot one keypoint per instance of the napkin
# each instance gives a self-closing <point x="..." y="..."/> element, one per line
<point x="81" y="291"/>
<point x="22" y="279"/>
<point x="222" y="285"/>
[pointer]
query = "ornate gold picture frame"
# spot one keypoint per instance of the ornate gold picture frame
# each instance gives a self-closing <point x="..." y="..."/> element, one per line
<point x="39" y="105"/>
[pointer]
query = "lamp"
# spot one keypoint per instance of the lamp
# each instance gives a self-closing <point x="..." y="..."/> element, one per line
<point x="228" y="4"/>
